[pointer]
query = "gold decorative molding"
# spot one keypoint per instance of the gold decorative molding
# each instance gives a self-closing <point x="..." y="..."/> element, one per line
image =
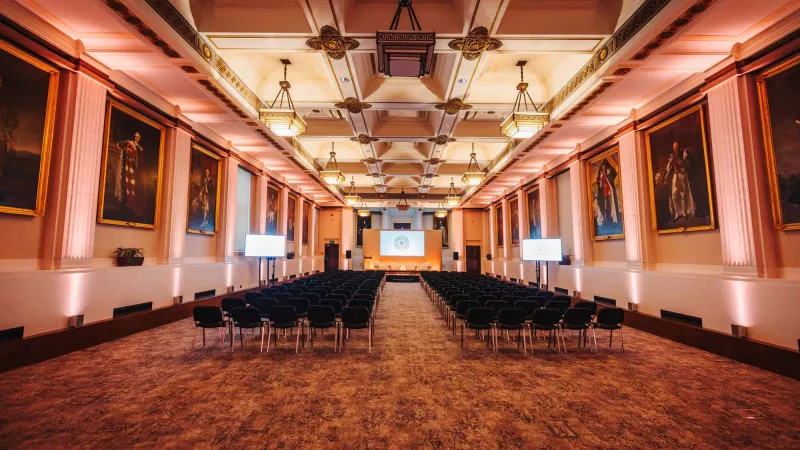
<point x="453" y="106"/>
<point x="332" y="43"/>
<point x="441" y="139"/>
<point x="476" y="42"/>
<point x="364" y="139"/>
<point x="586" y="100"/>
<point x="352" y="105"/>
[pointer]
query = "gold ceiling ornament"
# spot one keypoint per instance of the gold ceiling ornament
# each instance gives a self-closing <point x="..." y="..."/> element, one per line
<point x="453" y="106"/>
<point x="283" y="121"/>
<point x="370" y="160"/>
<point x="332" y="175"/>
<point x="364" y="139"/>
<point x="452" y="197"/>
<point x="332" y="43"/>
<point x="352" y="105"/>
<point x="434" y="161"/>
<point x="474" y="175"/>
<point x="476" y="42"/>
<point x="523" y="124"/>
<point x="403" y="204"/>
<point x="352" y="198"/>
<point x="441" y="139"/>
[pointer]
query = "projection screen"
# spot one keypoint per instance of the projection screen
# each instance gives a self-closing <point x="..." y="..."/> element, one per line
<point x="402" y="243"/>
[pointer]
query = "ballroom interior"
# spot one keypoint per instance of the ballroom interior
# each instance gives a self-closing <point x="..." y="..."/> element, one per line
<point x="400" y="223"/>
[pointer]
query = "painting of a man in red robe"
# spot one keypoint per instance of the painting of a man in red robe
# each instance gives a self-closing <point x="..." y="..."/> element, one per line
<point x="129" y="181"/>
<point x="605" y="195"/>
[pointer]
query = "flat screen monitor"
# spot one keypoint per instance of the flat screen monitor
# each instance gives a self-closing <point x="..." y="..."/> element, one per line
<point x="402" y="243"/>
<point x="541" y="250"/>
<point x="264" y="245"/>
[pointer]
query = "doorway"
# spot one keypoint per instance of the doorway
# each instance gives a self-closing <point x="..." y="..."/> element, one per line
<point x="331" y="257"/>
<point x="473" y="259"/>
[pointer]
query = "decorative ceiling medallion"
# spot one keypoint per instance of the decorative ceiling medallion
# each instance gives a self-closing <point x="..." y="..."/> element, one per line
<point x="603" y="54"/>
<point x="364" y="139"/>
<point x="476" y="42"/>
<point x="332" y="43"/>
<point x="352" y="105"/>
<point x="434" y="161"/>
<point x="687" y="17"/>
<point x="453" y="106"/>
<point x="441" y="139"/>
<point x="371" y="160"/>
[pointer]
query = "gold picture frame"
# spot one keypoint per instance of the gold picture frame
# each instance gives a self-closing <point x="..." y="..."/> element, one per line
<point x="291" y="218"/>
<point x="110" y="107"/>
<point x="769" y="145"/>
<point x="651" y="176"/>
<point x="47" y="133"/>
<point x="536" y="212"/>
<point x="276" y="189"/>
<point x="606" y="155"/>
<point x="498" y="225"/>
<point x="218" y="158"/>
<point x="513" y="207"/>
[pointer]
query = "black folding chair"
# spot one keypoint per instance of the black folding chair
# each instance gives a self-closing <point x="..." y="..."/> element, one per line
<point x="206" y="317"/>
<point x="282" y="317"/>
<point x="611" y="319"/>
<point x="355" y="318"/>
<point x="247" y="318"/>
<point x="322" y="317"/>
<point x="548" y="319"/>
<point x="480" y="320"/>
<point x="511" y="319"/>
<point x="579" y="319"/>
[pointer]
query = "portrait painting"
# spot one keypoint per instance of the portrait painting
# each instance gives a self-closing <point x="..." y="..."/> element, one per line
<point x="273" y="209"/>
<point x="291" y="217"/>
<point x="605" y="195"/>
<point x="498" y="216"/>
<point x="130" y="184"/>
<point x="513" y="209"/>
<point x="779" y="91"/>
<point x="534" y="213"/>
<point x="362" y="223"/>
<point x="680" y="174"/>
<point x="28" y="92"/>
<point x="401" y="225"/>
<point x="440" y="223"/>
<point x="306" y="219"/>
<point x="204" y="173"/>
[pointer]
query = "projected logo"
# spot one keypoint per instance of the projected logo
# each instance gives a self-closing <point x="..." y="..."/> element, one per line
<point x="401" y="243"/>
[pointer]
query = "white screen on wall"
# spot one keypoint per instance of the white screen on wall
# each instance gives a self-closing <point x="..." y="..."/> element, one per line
<point x="402" y="243"/>
<point x="541" y="250"/>
<point x="264" y="245"/>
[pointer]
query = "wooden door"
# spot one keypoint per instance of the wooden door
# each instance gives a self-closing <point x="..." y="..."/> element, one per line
<point x="331" y="257"/>
<point x="473" y="259"/>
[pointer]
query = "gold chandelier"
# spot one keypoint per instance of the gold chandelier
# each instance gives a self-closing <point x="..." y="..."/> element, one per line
<point x="440" y="212"/>
<point x="283" y="121"/>
<point x="332" y="174"/>
<point x="352" y="197"/>
<point x="403" y="204"/>
<point x="452" y="198"/>
<point x="523" y="124"/>
<point x="473" y="177"/>
<point x="363" y="211"/>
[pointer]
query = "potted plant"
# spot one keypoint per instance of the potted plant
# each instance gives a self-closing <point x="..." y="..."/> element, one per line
<point x="290" y="255"/>
<point x="565" y="260"/>
<point x="129" y="256"/>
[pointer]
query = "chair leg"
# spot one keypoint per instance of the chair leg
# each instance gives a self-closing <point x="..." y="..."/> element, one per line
<point x="610" y="337"/>
<point x="370" y="338"/>
<point x="204" y="337"/>
<point x="241" y="338"/>
<point x="297" y="343"/>
<point x="594" y="337"/>
<point x="269" y="337"/>
<point x="563" y="342"/>
<point x="462" y="335"/>
<point x="194" y="338"/>
<point x="622" y="340"/>
<point x="222" y="338"/>
<point x="262" y="338"/>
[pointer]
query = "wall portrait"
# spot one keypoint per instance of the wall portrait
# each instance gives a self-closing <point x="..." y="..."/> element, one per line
<point x="362" y="223"/>
<point x="273" y="209"/>
<point x="513" y="209"/>
<point x="204" y="173"/>
<point x="778" y="91"/>
<point x="306" y="223"/>
<point x="680" y="174"/>
<point x="498" y="218"/>
<point x="28" y="93"/>
<point x="291" y="218"/>
<point x="440" y="223"/>
<point x="605" y="195"/>
<point x="130" y="173"/>
<point x="534" y="213"/>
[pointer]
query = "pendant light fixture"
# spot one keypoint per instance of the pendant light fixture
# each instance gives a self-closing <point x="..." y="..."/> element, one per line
<point x="283" y="121"/>
<point x="363" y="211"/>
<point x="352" y="198"/>
<point x="405" y="53"/>
<point x="523" y="124"/>
<point x="474" y="175"/>
<point x="332" y="175"/>
<point x="403" y="204"/>
<point x="440" y="212"/>
<point x="452" y="198"/>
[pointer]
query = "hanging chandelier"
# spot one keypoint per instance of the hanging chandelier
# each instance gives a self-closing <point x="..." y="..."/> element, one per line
<point x="352" y="197"/>
<point x="332" y="174"/>
<point x="440" y="212"/>
<point x="403" y="204"/>
<point x="283" y="121"/>
<point x="452" y="198"/>
<point x="473" y="176"/>
<point x="523" y="124"/>
<point x="363" y="211"/>
<point x="405" y="53"/>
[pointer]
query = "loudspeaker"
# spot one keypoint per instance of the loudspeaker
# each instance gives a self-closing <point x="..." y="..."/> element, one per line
<point x="348" y="254"/>
<point x="455" y="256"/>
<point x="488" y="256"/>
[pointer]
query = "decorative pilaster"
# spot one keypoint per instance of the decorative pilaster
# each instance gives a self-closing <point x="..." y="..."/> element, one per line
<point x="261" y="205"/>
<point x="631" y="212"/>
<point x="77" y="150"/>
<point x="298" y="231"/>
<point x="581" y="246"/>
<point x="227" y="226"/>
<point x="283" y="226"/>
<point x="548" y="208"/>
<point x="492" y="232"/>
<point x="457" y="237"/>
<point x="348" y="240"/>
<point x="386" y="219"/>
<point x="507" y="254"/>
<point x="745" y="231"/>
<point x="312" y="232"/>
<point x="418" y="219"/>
<point x="175" y="195"/>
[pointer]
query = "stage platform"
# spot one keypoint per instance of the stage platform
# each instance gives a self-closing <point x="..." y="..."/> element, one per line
<point x="402" y="276"/>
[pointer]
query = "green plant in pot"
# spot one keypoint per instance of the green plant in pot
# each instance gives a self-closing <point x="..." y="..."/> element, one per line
<point x="129" y="256"/>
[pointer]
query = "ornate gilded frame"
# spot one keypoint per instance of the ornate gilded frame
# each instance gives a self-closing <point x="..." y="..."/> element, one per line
<point x="292" y="199"/>
<point x="198" y="147"/>
<point x="513" y="201"/>
<point x="709" y="189"/>
<point x="589" y="162"/>
<point x="528" y="193"/>
<point x="47" y="136"/>
<point x="110" y="106"/>
<point x="499" y="229"/>
<point x="277" y="207"/>
<point x="766" y="126"/>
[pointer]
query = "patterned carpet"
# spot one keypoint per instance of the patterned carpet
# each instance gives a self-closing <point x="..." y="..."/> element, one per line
<point x="417" y="389"/>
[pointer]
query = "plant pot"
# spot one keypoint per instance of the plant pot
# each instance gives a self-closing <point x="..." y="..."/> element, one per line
<point x="133" y="261"/>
